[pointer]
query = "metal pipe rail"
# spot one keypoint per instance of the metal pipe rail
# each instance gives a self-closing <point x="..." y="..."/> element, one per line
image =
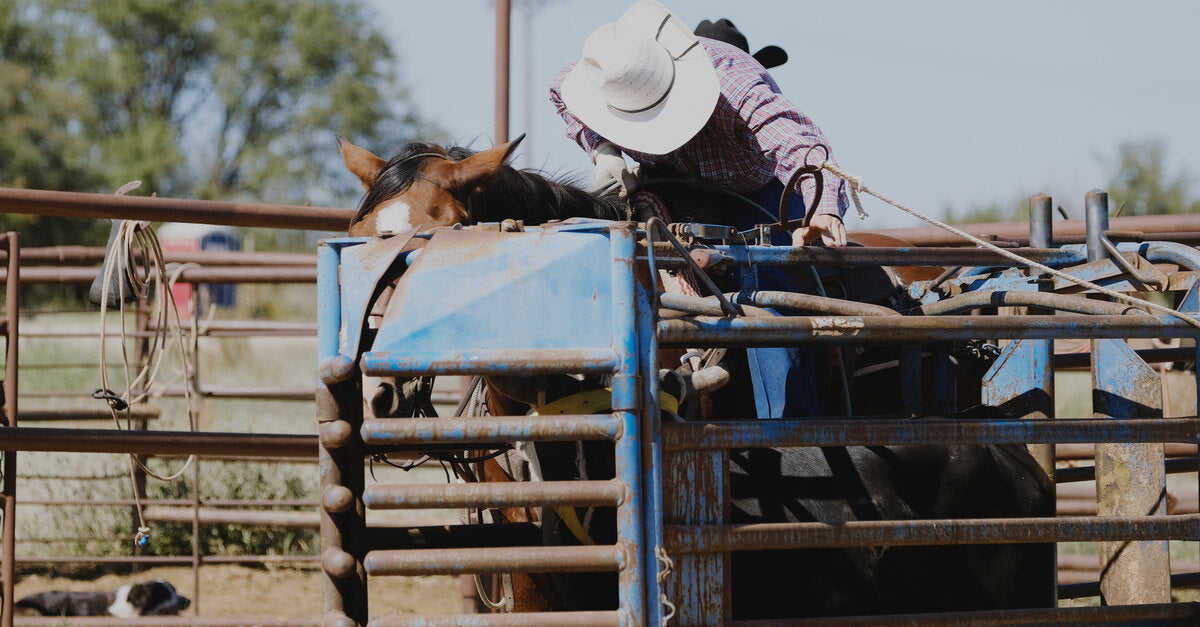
<point x="796" y="330"/>
<point x="159" y="209"/>
<point x="608" y="493"/>
<point x="158" y="442"/>
<point x="1156" y="613"/>
<point x="875" y="432"/>
<point x="418" y="431"/>
<point x="76" y="255"/>
<point x="949" y="531"/>
<point x="525" y="559"/>
<point x="57" y="275"/>
<point x="1180" y="227"/>
<point x="526" y="619"/>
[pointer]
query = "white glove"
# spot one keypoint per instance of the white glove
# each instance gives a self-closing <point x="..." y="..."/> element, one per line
<point x="611" y="170"/>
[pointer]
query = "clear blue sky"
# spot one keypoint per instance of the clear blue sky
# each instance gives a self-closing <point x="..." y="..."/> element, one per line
<point x="935" y="103"/>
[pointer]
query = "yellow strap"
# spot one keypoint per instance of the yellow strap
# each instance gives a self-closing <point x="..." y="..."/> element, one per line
<point x="595" y="402"/>
<point x="567" y="514"/>
<point x="589" y="402"/>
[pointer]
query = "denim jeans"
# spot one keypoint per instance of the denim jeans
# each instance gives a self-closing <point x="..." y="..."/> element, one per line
<point x="783" y="378"/>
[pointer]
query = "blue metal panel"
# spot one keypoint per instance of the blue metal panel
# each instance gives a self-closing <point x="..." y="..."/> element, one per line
<point x="634" y="586"/>
<point x="329" y="311"/>
<point x="483" y="291"/>
<point x="364" y="263"/>
<point x="1022" y="376"/>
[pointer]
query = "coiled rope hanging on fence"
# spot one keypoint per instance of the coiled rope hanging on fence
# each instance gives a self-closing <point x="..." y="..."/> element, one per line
<point x="855" y="184"/>
<point x="138" y="236"/>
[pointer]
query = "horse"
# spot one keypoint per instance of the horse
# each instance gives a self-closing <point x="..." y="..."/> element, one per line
<point x="425" y="185"/>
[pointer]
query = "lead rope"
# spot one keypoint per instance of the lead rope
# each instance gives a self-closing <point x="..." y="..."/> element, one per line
<point x="131" y="235"/>
<point x="855" y="184"/>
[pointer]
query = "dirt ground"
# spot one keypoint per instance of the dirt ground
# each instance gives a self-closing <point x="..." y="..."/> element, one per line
<point x="279" y="592"/>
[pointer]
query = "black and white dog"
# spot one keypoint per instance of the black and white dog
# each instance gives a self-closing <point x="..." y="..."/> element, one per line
<point x="147" y="598"/>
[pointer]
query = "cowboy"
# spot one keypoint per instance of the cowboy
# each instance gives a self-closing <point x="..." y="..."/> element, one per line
<point x="705" y="110"/>
<point x="724" y="30"/>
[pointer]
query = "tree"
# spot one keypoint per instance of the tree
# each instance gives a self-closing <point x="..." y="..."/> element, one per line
<point x="211" y="99"/>
<point x="40" y="147"/>
<point x="1141" y="183"/>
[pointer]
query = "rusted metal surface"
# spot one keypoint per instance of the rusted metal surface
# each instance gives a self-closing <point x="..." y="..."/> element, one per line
<point x="243" y="391"/>
<point x="530" y="619"/>
<point x="877" y="256"/>
<point x="1010" y="298"/>
<point x="873" y="432"/>
<point x="1165" y="613"/>
<point x="1088" y="473"/>
<point x="8" y="531"/>
<point x="695" y="492"/>
<point x="526" y="559"/>
<point x="213" y="516"/>
<point x="157" y="442"/>
<point x="1148" y="355"/>
<point x="1177" y="227"/>
<point x="720" y="538"/>
<point x="55" y="275"/>
<point x="80" y="205"/>
<point x="170" y="621"/>
<point x="794" y="330"/>
<point x="416" y="431"/>
<point x="503" y="21"/>
<point x="136" y="412"/>
<point x="79" y="255"/>
<point x="1065" y="452"/>
<point x="481" y="495"/>
<point x="496" y="362"/>
<point x="1091" y="587"/>
<point x="1130" y="480"/>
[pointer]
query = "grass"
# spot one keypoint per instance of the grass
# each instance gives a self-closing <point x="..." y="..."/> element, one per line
<point x="97" y="530"/>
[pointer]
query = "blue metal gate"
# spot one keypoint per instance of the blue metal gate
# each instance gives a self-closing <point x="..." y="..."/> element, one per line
<point x="565" y="299"/>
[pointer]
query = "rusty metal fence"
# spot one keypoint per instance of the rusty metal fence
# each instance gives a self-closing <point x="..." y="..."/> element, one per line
<point x="672" y="475"/>
<point x="703" y="540"/>
<point x="70" y="266"/>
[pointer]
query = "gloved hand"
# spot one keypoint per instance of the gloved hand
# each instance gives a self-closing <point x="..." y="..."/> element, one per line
<point x="826" y="226"/>
<point x="611" y="170"/>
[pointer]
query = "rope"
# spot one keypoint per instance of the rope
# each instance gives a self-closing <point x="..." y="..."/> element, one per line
<point x="130" y="236"/>
<point x="855" y="184"/>
<point x="666" y="567"/>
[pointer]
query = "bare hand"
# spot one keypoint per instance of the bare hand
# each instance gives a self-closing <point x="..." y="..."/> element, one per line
<point x="826" y="226"/>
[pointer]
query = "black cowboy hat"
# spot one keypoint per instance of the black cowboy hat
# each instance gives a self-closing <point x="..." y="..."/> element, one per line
<point x="724" y="30"/>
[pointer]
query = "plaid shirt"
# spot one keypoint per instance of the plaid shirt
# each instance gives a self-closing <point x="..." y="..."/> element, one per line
<point x="755" y="134"/>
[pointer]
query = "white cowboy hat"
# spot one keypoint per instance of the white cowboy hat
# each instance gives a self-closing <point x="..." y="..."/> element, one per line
<point x="644" y="83"/>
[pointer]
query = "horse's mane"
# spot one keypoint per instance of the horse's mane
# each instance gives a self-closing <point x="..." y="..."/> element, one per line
<point x="526" y="195"/>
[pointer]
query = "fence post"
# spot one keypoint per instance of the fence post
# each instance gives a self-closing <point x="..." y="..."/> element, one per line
<point x="8" y="542"/>
<point x="1130" y="478"/>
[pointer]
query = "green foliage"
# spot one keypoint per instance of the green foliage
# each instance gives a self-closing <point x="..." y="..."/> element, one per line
<point x="237" y="481"/>
<point x="987" y="213"/>
<point x="1143" y="186"/>
<point x="211" y="99"/>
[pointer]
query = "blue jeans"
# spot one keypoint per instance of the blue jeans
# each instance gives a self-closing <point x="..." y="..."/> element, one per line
<point x="783" y="378"/>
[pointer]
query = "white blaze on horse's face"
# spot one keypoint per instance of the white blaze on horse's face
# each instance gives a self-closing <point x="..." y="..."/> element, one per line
<point x="437" y="197"/>
<point x="393" y="217"/>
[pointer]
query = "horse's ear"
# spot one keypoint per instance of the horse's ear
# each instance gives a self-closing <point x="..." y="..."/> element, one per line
<point x="361" y="162"/>
<point x="477" y="168"/>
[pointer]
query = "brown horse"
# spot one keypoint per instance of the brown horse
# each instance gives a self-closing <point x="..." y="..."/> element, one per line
<point x="427" y="186"/>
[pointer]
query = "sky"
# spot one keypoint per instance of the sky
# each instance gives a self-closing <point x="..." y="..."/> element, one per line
<point x="938" y="104"/>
